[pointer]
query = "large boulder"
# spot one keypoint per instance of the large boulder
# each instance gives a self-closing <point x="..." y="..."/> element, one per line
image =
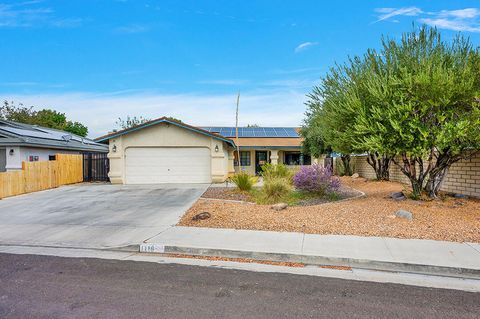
<point x="404" y="214"/>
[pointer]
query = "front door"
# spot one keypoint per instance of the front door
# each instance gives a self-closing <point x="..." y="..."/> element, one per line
<point x="261" y="158"/>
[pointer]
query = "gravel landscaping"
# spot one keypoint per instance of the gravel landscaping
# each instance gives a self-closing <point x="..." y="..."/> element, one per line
<point x="228" y="193"/>
<point x="451" y="219"/>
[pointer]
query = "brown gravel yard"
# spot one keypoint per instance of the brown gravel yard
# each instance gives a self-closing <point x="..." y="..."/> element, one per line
<point x="228" y="193"/>
<point x="449" y="219"/>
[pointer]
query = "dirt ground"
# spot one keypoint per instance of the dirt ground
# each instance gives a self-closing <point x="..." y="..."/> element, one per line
<point x="449" y="219"/>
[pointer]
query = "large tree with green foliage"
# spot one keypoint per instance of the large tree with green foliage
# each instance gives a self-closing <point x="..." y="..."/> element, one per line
<point x="425" y="105"/>
<point x="45" y="117"/>
<point x="417" y="98"/>
<point x="331" y="114"/>
<point x="327" y="122"/>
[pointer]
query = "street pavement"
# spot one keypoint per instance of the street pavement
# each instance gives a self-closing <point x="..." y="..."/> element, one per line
<point x="33" y="286"/>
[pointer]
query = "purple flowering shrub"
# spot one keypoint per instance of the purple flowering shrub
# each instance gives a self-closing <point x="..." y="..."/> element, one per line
<point x="316" y="179"/>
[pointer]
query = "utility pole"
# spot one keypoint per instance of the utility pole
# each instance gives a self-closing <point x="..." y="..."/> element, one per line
<point x="236" y="133"/>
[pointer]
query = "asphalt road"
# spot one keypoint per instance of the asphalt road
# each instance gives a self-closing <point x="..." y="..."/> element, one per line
<point x="55" y="287"/>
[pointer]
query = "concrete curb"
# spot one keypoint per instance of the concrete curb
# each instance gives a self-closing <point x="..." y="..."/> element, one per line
<point x="435" y="270"/>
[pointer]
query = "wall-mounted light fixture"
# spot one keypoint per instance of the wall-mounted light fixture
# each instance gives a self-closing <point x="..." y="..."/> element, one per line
<point x="12" y="152"/>
<point x="216" y="148"/>
<point x="114" y="148"/>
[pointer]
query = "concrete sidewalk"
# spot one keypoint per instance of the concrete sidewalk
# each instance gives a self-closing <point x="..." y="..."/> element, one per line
<point x="375" y="253"/>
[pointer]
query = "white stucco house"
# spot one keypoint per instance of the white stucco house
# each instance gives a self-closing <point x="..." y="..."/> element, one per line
<point x="22" y="142"/>
<point x="169" y="151"/>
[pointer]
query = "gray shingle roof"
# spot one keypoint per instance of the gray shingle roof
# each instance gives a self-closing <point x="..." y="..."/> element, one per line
<point x="19" y="134"/>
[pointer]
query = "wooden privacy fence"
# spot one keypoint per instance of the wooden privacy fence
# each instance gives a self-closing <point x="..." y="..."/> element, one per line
<point x="37" y="176"/>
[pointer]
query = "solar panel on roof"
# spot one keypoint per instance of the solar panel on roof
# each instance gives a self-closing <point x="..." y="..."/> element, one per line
<point x="249" y="132"/>
<point x="215" y="129"/>
<point x="292" y="132"/>
<point x="31" y="133"/>
<point x="270" y="132"/>
<point x="254" y="131"/>
<point x="259" y="132"/>
<point x="226" y="131"/>
<point x="44" y="133"/>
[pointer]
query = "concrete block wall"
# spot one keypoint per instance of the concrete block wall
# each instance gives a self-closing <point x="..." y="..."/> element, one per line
<point x="462" y="178"/>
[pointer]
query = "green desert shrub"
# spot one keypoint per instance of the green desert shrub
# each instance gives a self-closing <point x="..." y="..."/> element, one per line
<point x="276" y="188"/>
<point x="340" y="168"/>
<point x="271" y="171"/>
<point x="244" y="181"/>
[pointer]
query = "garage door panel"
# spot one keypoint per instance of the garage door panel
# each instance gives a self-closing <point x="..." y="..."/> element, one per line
<point x="167" y="165"/>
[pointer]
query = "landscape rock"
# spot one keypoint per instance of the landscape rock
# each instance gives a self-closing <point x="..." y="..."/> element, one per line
<point x="404" y="214"/>
<point x="460" y="196"/>
<point x="355" y="176"/>
<point x="398" y="196"/>
<point x="202" y="216"/>
<point x="279" y="206"/>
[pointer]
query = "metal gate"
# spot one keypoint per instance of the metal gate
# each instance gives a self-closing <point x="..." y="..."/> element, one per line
<point x="95" y="167"/>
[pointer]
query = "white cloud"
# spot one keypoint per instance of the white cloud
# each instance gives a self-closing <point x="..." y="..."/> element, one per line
<point x="100" y="111"/>
<point x="291" y="83"/>
<point x="28" y="14"/>
<point x="455" y="25"/>
<point x="467" y="13"/>
<point x="457" y="20"/>
<point x="303" y="46"/>
<point x="387" y="13"/>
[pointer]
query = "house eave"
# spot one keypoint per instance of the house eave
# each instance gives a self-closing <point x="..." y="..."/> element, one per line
<point x="163" y="120"/>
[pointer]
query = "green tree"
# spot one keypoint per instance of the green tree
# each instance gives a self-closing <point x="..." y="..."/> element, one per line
<point x="45" y="117"/>
<point x="133" y="121"/>
<point x="331" y="113"/>
<point x="22" y="114"/>
<point x="424" y="105"/>
<point x="313" y="142"/>
<point x="76" y="128"/>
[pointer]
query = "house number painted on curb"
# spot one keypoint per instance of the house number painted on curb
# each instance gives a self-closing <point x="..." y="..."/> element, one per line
<point x="152" y="248"/>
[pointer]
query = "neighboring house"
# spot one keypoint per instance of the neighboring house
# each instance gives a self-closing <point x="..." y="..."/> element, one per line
<point x="168" y="151"/>
<point x="22" y="142"/>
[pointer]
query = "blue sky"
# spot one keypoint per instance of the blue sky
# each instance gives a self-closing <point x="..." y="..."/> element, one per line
<point x="99" y="60"/>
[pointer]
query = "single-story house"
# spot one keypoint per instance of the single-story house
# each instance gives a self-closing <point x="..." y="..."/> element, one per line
<point x="22" y="142"/>
<point x="260" y="145"/>
<point x="169" y="151"/>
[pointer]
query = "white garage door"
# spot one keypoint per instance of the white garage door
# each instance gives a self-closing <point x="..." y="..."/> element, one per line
<point x="167" y="165"/>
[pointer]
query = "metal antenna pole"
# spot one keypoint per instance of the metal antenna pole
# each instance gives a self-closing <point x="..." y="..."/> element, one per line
<point x="236" y="132"/>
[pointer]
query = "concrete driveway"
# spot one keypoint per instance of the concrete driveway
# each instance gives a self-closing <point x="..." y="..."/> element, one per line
<point x="94" y="215"/>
